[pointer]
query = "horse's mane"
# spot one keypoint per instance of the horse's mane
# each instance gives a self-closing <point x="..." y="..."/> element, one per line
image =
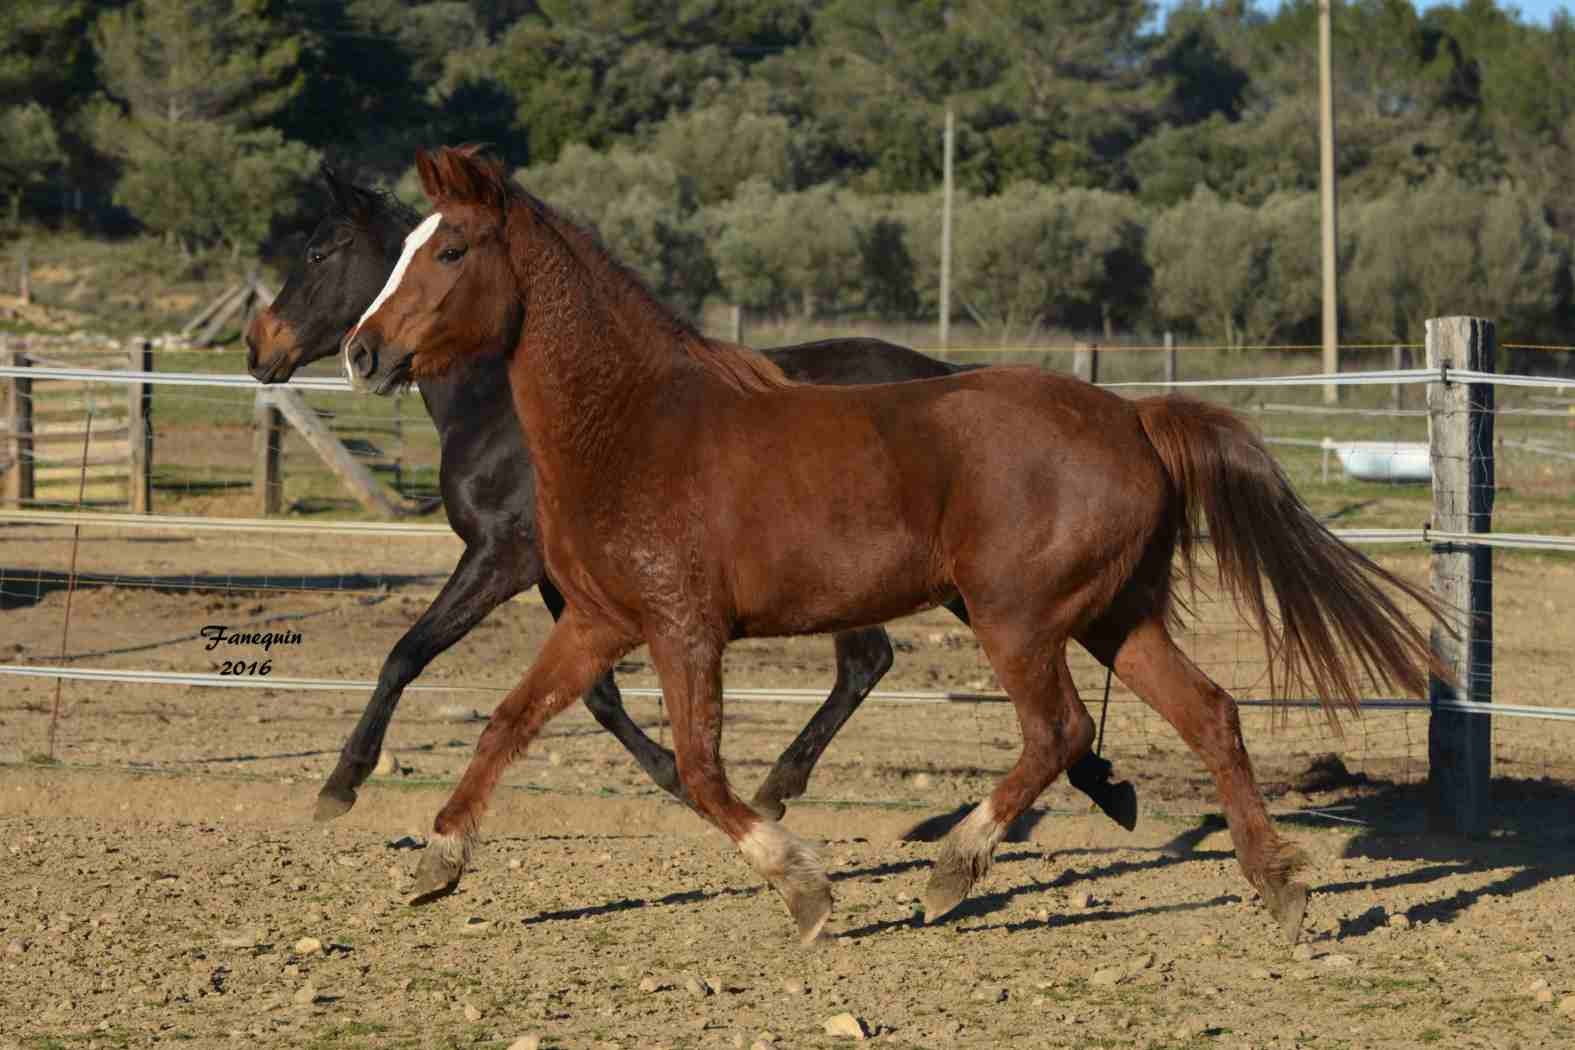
<point x="480" y="179"/>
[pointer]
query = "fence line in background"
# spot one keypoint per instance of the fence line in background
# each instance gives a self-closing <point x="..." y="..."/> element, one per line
<point x="761" y="695"/>
<point x="108" y="519"/>
<point x="1459" y="378"/>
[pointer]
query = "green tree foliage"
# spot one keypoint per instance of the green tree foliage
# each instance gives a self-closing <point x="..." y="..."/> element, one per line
<point x="41" y="51"/>
<point x="1448" y="247"/>
<point x="776" y="250"/>
<point x="1205" y="257"/>
<point x="183" y="60"/>
<point x="190" y="82"/>
<point x="1035" y="255"/>
<point x="1116" y="169"/>
<point x="29" y="149"/>
<point x="203" y="182"/>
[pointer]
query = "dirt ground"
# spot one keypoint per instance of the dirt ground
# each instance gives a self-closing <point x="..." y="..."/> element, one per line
<point x="159" y="884"/>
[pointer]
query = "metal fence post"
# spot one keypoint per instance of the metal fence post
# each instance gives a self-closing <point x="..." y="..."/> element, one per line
<point x="1460" y="436"/>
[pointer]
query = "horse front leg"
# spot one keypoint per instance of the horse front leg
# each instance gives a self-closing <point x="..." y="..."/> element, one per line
<point x="483" y="580"/>
<point x="691" y="674"/>
<point x="606" y="705"/>
<point x="576" y="654"/>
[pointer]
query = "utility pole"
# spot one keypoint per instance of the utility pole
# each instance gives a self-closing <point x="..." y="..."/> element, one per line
<point x="946" y="227"/>
<point x="1331" y="292"/>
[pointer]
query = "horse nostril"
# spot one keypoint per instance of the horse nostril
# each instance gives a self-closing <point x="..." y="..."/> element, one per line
<point x="362" y="359"/>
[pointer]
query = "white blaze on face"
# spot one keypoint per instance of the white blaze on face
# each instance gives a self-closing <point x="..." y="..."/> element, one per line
<point x="413" y="242"/>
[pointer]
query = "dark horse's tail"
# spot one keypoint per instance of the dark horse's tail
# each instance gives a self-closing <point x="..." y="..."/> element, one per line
<point x="1333" y="616"/>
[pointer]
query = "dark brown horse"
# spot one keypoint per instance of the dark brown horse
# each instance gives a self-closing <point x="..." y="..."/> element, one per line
<point x="748" y="505"/>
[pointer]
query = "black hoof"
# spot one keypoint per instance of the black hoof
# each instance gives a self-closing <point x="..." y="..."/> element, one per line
<point x="1119" y="803"/>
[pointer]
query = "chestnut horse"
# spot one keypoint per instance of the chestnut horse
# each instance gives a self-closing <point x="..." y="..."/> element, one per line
<point x="347" y="260"/>
<point x="745" y="505"/>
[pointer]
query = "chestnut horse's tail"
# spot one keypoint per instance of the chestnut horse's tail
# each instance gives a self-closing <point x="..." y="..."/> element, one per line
<point x="1332" y="615"/>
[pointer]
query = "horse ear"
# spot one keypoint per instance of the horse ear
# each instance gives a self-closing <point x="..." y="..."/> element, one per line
<point x="474" y="176"/>
<point x="337" y="187"/>
<point x="431" y="179"/>
<point x="355" y="202"/>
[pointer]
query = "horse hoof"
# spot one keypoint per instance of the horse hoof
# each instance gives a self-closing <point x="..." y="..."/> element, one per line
<point x="333" y="802"/>
<point x="1120" y="804"/>
<point x="948" y="887"/>
<point x="1288" y="904"/>
<point x="810" y="908"/>
<point x="437" y="876"/>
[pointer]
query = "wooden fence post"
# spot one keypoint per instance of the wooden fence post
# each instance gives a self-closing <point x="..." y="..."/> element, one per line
<point x="267" y="445"/>
<point x="19" y="428"/>
<point x="1460" y="436"/>
<point x="359" y="480"/>
<point x="737" y="334"/>
<point x="139" y="432"/>
<point x="1170" y="357"/>
<point x="25" y="284"/>
<point x="1085" y="362"/>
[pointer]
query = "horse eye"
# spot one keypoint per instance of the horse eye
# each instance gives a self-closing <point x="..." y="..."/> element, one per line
<point x="315" y="257"/>
<point x="449" y="255"/>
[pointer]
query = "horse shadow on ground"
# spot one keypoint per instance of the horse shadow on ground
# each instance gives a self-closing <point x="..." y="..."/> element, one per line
<point x="1532" y="834"/>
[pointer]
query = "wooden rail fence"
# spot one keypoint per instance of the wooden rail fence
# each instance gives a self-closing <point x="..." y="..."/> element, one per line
<point x="47" y="421"/>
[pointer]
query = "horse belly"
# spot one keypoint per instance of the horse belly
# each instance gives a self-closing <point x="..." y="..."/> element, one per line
<point x="833" y="587"/>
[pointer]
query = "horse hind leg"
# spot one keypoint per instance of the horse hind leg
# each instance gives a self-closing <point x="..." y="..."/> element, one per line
<point x="1149" y="662"/>
<point x="1090" y="774"/>
<point x="1056" y="728"/>
<point x="863" y="658"/>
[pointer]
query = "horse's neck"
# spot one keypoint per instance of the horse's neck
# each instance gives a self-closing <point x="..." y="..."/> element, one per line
<point x="466" y="396"/>
<point x="592" y="351"/>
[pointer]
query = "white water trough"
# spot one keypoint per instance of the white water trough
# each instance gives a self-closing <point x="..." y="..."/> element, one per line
<point x="1400" y="462"/>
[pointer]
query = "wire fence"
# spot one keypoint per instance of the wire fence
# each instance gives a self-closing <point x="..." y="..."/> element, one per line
<point x="155" y="581"/>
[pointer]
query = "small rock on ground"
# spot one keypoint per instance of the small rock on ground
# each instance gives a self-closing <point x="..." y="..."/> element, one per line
<point x="1106" y="977"/>
<point x="472" y="1014"/>
<point x="308" y="946"/>
<point x="845" y="1026"/>
<point x="698" y="987"/>
<point x="1567" y="1006"/>
<point x="306" y="995"/>
<point x="387" y="765"/>
<point x="792" y="987"/>
<point x="526" y="1042"/>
